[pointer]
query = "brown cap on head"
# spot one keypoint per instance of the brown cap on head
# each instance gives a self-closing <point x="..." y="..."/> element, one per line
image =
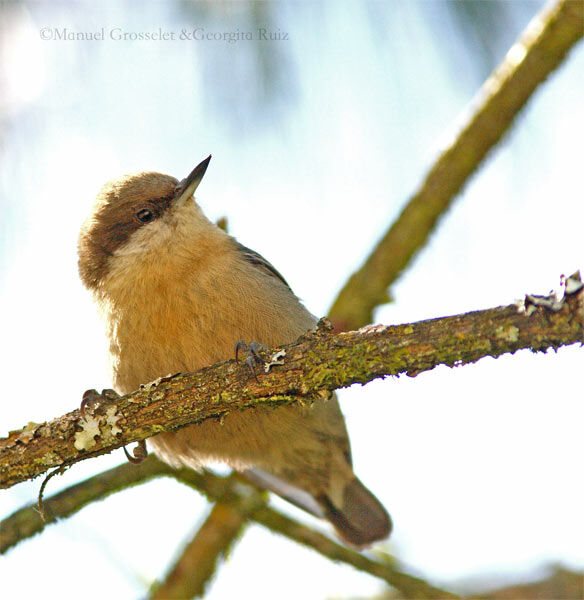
<point x="122" y="206"/>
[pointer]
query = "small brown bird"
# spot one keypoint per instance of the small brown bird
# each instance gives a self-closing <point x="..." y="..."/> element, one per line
<point x="177" y="293"/>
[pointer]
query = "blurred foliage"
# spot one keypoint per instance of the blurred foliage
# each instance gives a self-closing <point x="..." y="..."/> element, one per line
<point x="259" y="80"/>
<point x="246" y="81"/>
<point x="481" y="24"/>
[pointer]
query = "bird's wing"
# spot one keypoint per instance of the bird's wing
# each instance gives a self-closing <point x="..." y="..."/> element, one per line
<point x="259" y="261"/>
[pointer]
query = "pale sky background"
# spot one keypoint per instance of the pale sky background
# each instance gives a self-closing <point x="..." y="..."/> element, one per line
<point x="317" y="142"/>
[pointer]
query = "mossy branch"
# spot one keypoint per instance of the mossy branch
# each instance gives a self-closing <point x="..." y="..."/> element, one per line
<point x="316" y="364"/>
<point x="539" y="50"/>
<point x="233" y="491"/>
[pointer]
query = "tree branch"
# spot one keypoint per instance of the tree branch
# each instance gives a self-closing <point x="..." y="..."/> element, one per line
<point x="539" y="50"/>
<point x="27" y="521"/>
<point x="316" y="364"/>
<point x="228" y="490"/>
<point x="189" y="576"/>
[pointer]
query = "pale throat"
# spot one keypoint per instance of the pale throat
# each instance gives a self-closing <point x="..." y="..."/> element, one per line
<point x="160" y="259"/>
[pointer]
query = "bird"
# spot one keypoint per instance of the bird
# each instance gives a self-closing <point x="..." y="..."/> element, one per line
<point x="177" y="293"/>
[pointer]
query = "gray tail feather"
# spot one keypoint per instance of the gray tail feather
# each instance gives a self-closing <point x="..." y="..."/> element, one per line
<point x="362" y="519"/>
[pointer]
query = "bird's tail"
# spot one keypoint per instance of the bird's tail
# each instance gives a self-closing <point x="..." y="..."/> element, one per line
<point x="360" y="519"/>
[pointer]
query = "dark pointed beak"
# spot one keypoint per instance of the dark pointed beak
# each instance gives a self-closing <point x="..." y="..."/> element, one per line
<point x="186" y="188"/>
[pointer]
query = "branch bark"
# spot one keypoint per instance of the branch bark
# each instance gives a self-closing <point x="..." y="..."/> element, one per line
<point x="192" y="572"/>
<point x="26" y="522"/>
<point x="539" y="50"/>
<point x="317" y="363"/>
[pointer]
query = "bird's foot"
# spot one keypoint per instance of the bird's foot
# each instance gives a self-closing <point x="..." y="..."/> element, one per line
<point x="91" y="400"/>
<point x="253" y="357"/>
<point x="139" y="453"/>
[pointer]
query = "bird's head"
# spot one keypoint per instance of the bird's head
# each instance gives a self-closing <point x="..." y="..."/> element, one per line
<point x="140" y="215"/>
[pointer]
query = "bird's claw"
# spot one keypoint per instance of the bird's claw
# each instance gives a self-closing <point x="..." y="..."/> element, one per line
<point x="92" y="398"/>
<point x="139" y="453"/>
<point x="252" y="354"/>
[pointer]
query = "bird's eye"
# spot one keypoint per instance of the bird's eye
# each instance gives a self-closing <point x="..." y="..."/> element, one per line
<point x="145" y="215"/>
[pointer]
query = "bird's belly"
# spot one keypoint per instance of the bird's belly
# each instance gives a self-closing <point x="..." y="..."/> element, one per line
<point x="184" y="332"/>
<point x="187" y="333"/>
<point x="242" y="439"/>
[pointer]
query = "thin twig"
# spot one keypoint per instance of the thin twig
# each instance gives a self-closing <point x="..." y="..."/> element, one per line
<point x="46" y="515"/>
